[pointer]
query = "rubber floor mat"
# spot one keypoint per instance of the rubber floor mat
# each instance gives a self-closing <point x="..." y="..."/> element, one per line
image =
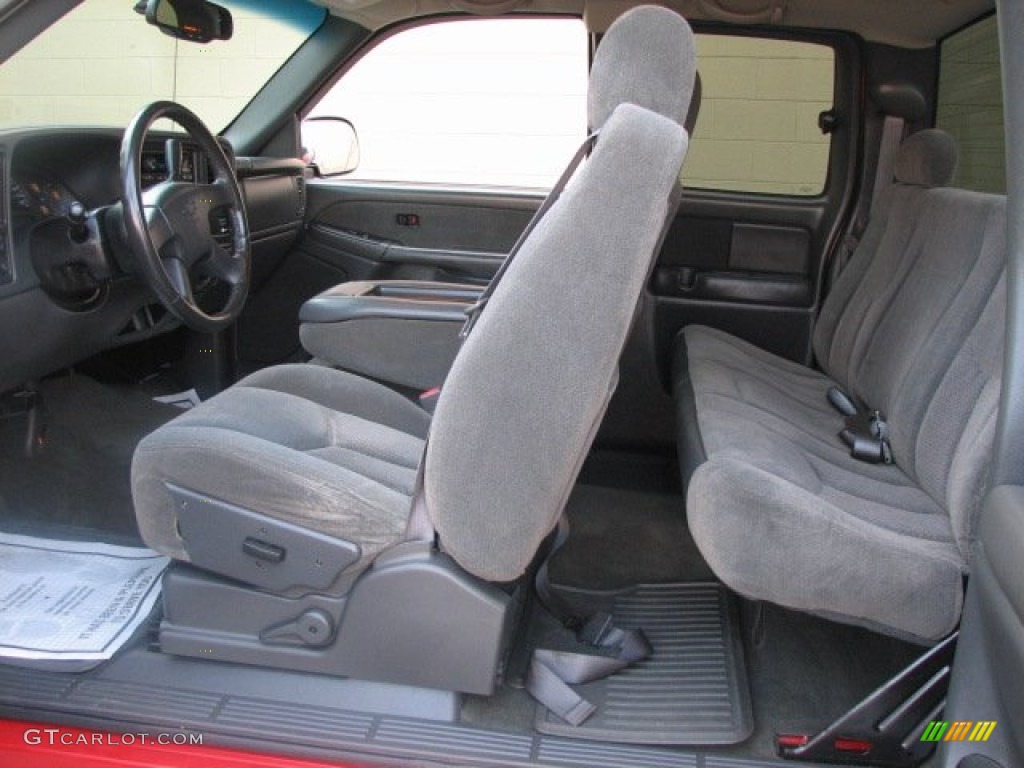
<point x="692" y="690"/>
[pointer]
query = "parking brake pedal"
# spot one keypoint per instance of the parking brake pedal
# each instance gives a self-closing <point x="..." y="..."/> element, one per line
<point x="886" y="728"/>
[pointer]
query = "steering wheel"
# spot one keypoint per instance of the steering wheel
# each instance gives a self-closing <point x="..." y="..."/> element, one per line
<point x="170" y="226"/>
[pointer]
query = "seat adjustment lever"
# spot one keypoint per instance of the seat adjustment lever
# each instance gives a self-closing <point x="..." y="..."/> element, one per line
<point x="263" y="550"/>
<point x="313" y="627"/>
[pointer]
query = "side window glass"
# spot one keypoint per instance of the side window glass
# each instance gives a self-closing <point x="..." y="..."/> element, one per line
<point x="494" y="102"/>
<point x="970" y="105"/>
<point x="758" y="124"/>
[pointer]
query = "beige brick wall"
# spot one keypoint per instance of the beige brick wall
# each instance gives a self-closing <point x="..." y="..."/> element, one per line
<point x="971" y="106"/>
<point x="102" y="63"/>
<point x="758" y="124"/>
<point x="503" y="103"/>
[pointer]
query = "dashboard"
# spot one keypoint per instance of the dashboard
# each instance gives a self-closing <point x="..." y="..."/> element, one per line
<point x="43" y="173"/>
<point x="37" y="193"/>
<point x="155" y="167"/>
<point x="50" y="171"/>
<point x="40" y="198"/>
<point x="54" y="311"/>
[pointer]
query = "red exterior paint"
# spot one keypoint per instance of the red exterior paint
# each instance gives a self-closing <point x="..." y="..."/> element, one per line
<point x="74" y="747"/>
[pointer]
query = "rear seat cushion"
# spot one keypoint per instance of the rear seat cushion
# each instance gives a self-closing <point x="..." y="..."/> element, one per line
<point x="782" y="512"/>
<point x="725" y="364"/>
<point x="777" y="524"/>
<point x="776" y="504"/>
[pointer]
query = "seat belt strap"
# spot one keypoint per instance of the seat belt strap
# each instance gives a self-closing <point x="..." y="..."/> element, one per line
<point x="419" y="527"/>
<point x="888" y="148"/>
<point x="473" y="310"/>
<point x="845" y="252"/>
<point x="601" y="649"/>
<point x="547" y="687"/>
<point x="548" y="598"/>
<point x="553" y="671"/>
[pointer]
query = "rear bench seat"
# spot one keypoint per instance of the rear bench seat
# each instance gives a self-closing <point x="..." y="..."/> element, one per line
<point x="914" y="328"/>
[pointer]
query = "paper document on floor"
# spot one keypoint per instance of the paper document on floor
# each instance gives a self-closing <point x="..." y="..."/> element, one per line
<point x="184" y="400"/>
<point x="68" y="605"/>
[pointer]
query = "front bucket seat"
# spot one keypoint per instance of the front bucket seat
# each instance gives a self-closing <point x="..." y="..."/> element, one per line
<point x="324" y="532"/>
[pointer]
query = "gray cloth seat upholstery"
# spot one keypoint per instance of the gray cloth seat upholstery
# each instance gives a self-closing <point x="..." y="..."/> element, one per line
<point x="338" y="454"/>
<point x="913" y="328"/>
<point x="319" y="448"/>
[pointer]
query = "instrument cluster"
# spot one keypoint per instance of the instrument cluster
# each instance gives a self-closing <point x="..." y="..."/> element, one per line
<point x="40" y="196"/>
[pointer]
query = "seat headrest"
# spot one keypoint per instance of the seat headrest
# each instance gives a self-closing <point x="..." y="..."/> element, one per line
<point x="648" y="58"/>
<point x="927" y="158"/>
<point x="900" y="100"/>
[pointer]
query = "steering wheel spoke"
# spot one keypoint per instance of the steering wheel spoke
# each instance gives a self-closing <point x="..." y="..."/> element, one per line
<point x="217" y="194"/>
<point x="179" y="230"/>
<point x="221" y="263"/>
<point x="159" y="230"/>
<point x="177" y="272"/>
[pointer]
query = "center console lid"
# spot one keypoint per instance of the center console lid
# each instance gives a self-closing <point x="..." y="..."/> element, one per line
<point x="416" y="300"/>
<point x="404" y="333"/>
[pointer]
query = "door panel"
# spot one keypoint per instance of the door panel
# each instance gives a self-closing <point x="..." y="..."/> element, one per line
<point x="340" y="246"/>
<point x="702" y="238"/>
<point x="359" y="231"/>
<point x="747" y="266"/>
<point x="986" y="682"/>
<point x="445" y="219"/>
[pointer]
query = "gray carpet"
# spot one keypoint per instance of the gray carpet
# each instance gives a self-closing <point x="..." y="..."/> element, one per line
<point x="619" y="538"/>
<point x="808" y="671"/>
<point x="81" y="480"/>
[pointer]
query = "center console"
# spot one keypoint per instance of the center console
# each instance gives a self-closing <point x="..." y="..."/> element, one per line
<point x="404" y="333"/>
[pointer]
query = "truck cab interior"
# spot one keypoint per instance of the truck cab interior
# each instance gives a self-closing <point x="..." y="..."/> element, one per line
<point x="533" y="382"/>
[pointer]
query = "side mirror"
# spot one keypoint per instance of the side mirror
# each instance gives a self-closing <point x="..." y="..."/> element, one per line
<point x="331" y="144"/>
<point x="195" y="20"/>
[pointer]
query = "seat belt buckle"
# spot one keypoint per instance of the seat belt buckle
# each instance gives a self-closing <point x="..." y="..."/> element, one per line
<point x="596" y="629"/>
<point x="841" y="401"/>
<point x="867" y="435"/>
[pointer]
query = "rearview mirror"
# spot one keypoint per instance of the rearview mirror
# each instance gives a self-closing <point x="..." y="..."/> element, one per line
<point x="331" y="144"/>
<point x="194" y="20"/>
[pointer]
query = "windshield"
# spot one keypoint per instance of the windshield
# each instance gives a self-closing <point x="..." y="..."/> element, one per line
<point x="102" y="62"/>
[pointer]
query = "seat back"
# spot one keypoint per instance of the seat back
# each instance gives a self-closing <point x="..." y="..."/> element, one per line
<point x="526" y="393"/>
<point x="934" y="368"/>
<point x="864" y="289"/>
<point x="917" y="328"/>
